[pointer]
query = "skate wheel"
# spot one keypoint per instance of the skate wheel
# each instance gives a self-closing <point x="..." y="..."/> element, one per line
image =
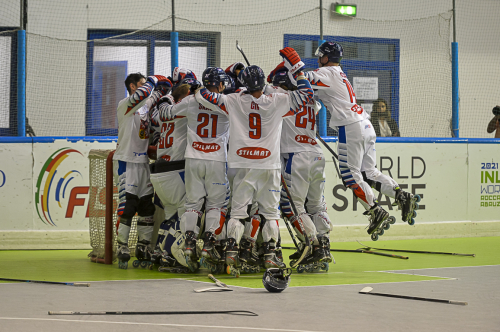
<point x="136" y="263"/>
<point x="292" y="262"/>
<point x="123" y="265"/>
<point x="392" y="220"/>
<point x="300" y="269"/>
<point x="414" y="214"/>
<point x="309" y="269"/>
<point x="144" y="264"/>
<point x="325" y="266"/>
<point x="417" y="198"/>
<point x="416" y="206"/>
<point x="374" y="237"/>
<point x="228" y="269"/>
<point x="411" y="222"/>
<point x="387" y="226"/>
<point x="381" y="232"/>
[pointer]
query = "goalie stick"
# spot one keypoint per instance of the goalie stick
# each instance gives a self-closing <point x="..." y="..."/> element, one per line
<point x="242" y="53"/>
<point x="229" y="312"/>
<point x="368" y="290"/>
<point x="419" y="252"/>
<point x="308" y="247"/>
<point x="217" y="281"/>
<point x="76" y="284"/>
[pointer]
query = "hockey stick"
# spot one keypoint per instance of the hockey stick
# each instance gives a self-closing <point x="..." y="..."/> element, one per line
<point x="217" y="281"/>
<point x="302" y="229"/>
<point x="76" y="284"/>
<point x="213" y="290"/>
<point x="230" y="312"/>
<point x="242" y="53"/>
<point x="361" y="251"/>
<point x="368" y="290"/>
<point x="287" y="223"/>
<point x="419" y="252"/>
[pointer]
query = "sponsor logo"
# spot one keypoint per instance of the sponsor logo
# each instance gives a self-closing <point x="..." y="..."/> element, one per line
<point x="358" y="109"/>
<point x="138" y="154"/>
<point x="490" y="185"/>
<point x="206" y="147"/>
<point x="305" y="139"/>
<point x="60" y="194"/>
<point x="3" y="178"/>
<point x="253" y="153"/>
<point x="367" y="126"/>
<point x="55" y="183"/>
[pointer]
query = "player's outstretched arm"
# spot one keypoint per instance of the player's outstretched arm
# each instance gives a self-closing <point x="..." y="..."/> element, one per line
<point x="212" y="100"/>
<point x="303" y="95"/>
<point x="141" y="95"/>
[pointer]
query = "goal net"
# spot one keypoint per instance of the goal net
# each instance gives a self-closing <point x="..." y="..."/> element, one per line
<point x="102" y="208"/>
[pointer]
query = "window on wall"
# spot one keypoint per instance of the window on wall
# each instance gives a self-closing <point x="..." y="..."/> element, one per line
<point x="371" y="64"/>
<point x="113" y="55"/>
<point x="8" y="82"/>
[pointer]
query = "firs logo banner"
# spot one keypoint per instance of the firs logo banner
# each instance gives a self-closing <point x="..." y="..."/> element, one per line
<point x="55" y="185"/>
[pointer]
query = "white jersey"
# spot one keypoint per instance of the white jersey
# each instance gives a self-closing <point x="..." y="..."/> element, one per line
<point x="299" y="131"/>
<point x="255" y="123"/>
<point x="173" y="135"/>
<point x="207" y="131"/>
<point x="335" y="91"/>
<point x="133" y="124"/>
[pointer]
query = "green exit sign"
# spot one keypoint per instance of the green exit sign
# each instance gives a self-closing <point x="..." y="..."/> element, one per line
<point x="347" y="10"/>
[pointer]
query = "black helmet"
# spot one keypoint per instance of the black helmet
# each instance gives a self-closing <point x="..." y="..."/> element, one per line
<point x="276" y="280"/>
<point x="252" y="78"/>
<point x="333" y="50"/>
<point x="213" y="76"/>
<point x="281" y="78"/>
<point x="193" y="83"/>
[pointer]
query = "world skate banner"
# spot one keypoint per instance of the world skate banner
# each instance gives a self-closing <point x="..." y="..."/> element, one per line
<point x="436" y="172"/>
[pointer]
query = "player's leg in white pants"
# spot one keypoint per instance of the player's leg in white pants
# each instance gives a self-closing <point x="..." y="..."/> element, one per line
<point x="351" y="151"/>
<point x="379" y="181"/>
<point x="297" y="177"/>
<point x="195" y="196"/>
<point x="170" y="188"/>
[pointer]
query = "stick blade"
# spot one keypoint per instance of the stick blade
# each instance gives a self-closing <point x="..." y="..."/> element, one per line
<point x="366" y="290"/>
<point x="304" y="254"/>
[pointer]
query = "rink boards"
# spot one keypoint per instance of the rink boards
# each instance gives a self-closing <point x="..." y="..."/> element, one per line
<point x="44" y="189"/>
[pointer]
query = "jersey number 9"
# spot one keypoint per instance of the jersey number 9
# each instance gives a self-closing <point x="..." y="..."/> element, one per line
<point x="255" y="126"/>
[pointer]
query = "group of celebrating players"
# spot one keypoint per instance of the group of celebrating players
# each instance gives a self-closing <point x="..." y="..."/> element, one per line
<point x="224" y="146"/>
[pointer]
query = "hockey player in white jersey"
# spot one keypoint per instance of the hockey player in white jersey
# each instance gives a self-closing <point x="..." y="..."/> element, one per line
<point x="255" y="129"/>
<point x="356" y="148"/>
<point x="167" y="176"/>
<point x="304" y="172"/>
<point x="206" y="158"/>
<point x="131" y="163"/>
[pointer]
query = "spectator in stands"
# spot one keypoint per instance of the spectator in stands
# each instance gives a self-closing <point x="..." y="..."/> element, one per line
<point x="495" y="122"/>
<point x="381" y="120"/>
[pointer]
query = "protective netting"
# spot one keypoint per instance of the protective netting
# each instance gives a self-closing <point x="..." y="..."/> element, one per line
<point x="97" y="206"/>
<point x="79" y="53"/>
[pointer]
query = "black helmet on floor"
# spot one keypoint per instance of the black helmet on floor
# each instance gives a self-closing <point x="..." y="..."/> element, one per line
<point x="333" y="50"/>
<point x="276" y="280"/>
<point x="252" y="78"/>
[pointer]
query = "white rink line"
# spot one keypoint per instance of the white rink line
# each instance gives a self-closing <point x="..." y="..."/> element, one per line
<point x="242" y="328"/>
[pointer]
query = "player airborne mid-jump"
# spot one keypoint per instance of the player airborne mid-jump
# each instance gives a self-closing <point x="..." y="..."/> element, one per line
<point x="356" y="148"/>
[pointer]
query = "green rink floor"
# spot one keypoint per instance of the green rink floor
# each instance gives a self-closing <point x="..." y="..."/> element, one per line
<point x="351" y="268"/>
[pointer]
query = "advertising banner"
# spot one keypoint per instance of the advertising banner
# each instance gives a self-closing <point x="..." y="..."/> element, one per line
<point x="61" y="184"/>
<point x="436" y="172"/>
<point x="16" y="186"/>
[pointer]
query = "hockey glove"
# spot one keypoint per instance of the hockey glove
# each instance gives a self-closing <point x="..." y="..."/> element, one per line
<point x="164" y="81"/>
<point x="280" y="67"/>
<point x="291" y="59"/>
